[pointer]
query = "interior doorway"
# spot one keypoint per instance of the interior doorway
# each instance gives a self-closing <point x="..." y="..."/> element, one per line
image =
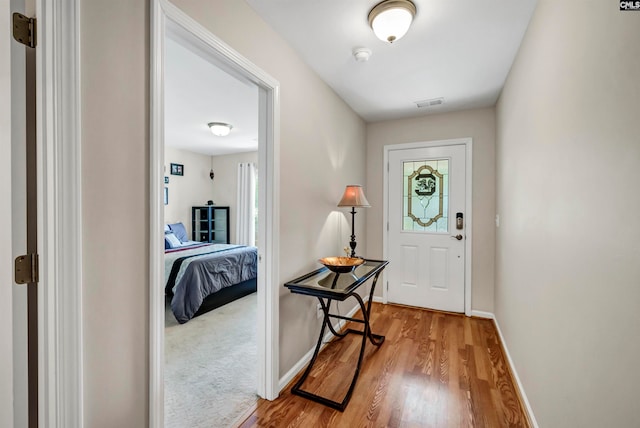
<point x="211" y="359"/>
<point x="168" y="19"/>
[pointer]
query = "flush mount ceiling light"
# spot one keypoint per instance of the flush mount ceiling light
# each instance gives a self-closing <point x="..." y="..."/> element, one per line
<point x="220" y="129"/>
<point x="391" y="19"/>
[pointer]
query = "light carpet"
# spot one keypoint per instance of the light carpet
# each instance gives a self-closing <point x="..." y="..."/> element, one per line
<point x="211" y="366"/>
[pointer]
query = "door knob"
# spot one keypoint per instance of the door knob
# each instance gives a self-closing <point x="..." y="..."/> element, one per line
<point x="458" y="237"/>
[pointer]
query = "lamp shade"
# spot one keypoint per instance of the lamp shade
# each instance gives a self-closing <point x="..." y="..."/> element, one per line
<point x="353" y="197"/>
<point x="391" y="19"/>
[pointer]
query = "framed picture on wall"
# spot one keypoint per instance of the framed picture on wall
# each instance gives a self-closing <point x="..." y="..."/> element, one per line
<point x="166" y="196"/>
<point x="177" y="169"/>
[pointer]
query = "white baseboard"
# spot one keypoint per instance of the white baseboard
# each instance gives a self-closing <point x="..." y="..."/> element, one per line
<point x="302" y="363"/>
<point x="482" y="314"/>
<point x="377" y="299"/>
<point x="523" y="395"/>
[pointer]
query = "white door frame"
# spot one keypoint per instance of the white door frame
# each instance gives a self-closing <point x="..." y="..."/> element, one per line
<point x="468" y="143"/>
<point x="163" y="13"/>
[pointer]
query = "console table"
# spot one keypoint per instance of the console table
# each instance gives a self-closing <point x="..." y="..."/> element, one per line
<point x="328" y="286"/>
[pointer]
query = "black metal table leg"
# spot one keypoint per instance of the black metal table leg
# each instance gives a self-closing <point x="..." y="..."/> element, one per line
<point x="375" y="339"/>
<point x="327" y="315"/>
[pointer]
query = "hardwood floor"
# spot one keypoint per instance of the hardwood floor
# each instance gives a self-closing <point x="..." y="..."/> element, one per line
<point x="433" y="370"/>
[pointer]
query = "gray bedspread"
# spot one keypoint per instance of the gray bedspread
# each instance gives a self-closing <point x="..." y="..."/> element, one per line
<point x="193" y="274"/>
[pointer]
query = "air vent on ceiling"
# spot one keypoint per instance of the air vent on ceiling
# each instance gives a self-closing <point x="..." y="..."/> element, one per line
<point x="433" y="102"/>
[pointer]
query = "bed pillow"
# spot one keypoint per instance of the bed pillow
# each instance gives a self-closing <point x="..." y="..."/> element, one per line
<point x="179" y="230"/>
<point x="171" y="241"/>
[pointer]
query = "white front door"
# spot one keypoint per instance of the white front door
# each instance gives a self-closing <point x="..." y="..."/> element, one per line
<point x="426" y="229"/>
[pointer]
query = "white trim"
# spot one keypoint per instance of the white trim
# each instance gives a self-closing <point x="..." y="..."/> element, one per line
<point x="482" y="314"/>
<point x="523" y="394"/>
<point x="468" y="143"/>
<point x="156" y="218"/>
<point x="269" y="231"/>
<point x="59" y="214"/>
<point x="377" y="299"/>
<point x="165" y="15"/>
<point x="302" y="362"/>
<point x="468" y="222"/>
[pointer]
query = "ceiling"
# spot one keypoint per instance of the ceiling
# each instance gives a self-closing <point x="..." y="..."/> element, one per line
<point x="197" y="92"/>
<point x="460" y="51"/>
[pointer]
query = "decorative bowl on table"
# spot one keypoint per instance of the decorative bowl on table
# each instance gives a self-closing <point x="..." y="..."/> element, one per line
<point x="341" y="264"/>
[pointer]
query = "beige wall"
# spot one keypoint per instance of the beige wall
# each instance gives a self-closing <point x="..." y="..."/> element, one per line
<point x="6" y="255"/>
<point x="568" y="271"/>
<point x="15" y="186"/>
<point x="194" y="188"/>
<point x="316" y="160"/>
<point x="322" y="148"/>
<point x="478" y="124"/>
<point x="225" y="186"/>
<point x="115" y="194"/>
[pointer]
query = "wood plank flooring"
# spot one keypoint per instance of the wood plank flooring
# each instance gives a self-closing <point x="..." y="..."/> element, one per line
<point x="433" y="370"/>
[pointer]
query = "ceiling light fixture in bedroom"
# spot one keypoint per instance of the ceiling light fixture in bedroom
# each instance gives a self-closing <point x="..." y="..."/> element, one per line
<point x="391" y="19"/>
<point x="220" y="129"/>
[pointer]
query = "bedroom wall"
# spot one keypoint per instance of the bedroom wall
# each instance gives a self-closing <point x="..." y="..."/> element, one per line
<point x="316" y="140"/>
<point x="478" y="124"/>
<point x="225" y="185"/>
<point x="568" y="246"/>
<point x="194" y="188"/>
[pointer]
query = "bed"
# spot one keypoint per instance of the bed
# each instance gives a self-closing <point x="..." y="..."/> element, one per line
<point x="200" y="277"/>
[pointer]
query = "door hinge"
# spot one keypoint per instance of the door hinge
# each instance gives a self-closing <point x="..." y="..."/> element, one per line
<point x="387" y="226"/>
<point x="24" y="29"/>
<point x="26" y="269"/>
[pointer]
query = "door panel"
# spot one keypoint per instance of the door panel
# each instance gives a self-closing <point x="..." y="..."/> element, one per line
<point x="426" y="191"/>
<point x="439" y="272"/>
<point x="410" y="265"/>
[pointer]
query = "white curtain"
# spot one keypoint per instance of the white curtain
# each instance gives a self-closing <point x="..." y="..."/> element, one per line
<point x="245" y="217"/>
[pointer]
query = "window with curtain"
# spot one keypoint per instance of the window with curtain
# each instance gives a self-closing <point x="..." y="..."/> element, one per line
<point x="246" y="207"/>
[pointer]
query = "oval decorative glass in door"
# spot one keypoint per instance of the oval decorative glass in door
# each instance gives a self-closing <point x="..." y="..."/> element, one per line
<point x="425" y="195"/>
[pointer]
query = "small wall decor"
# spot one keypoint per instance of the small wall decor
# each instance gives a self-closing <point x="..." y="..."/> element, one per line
<point x="166" y="180"/>
<point x="166" y="195"/>
<point x="177" y="169"/>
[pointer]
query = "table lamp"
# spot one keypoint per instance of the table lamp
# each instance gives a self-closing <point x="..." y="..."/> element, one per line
<point x="353" y="197"/>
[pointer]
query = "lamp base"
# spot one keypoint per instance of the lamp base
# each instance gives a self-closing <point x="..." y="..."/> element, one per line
<point x="353" y="242"/>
